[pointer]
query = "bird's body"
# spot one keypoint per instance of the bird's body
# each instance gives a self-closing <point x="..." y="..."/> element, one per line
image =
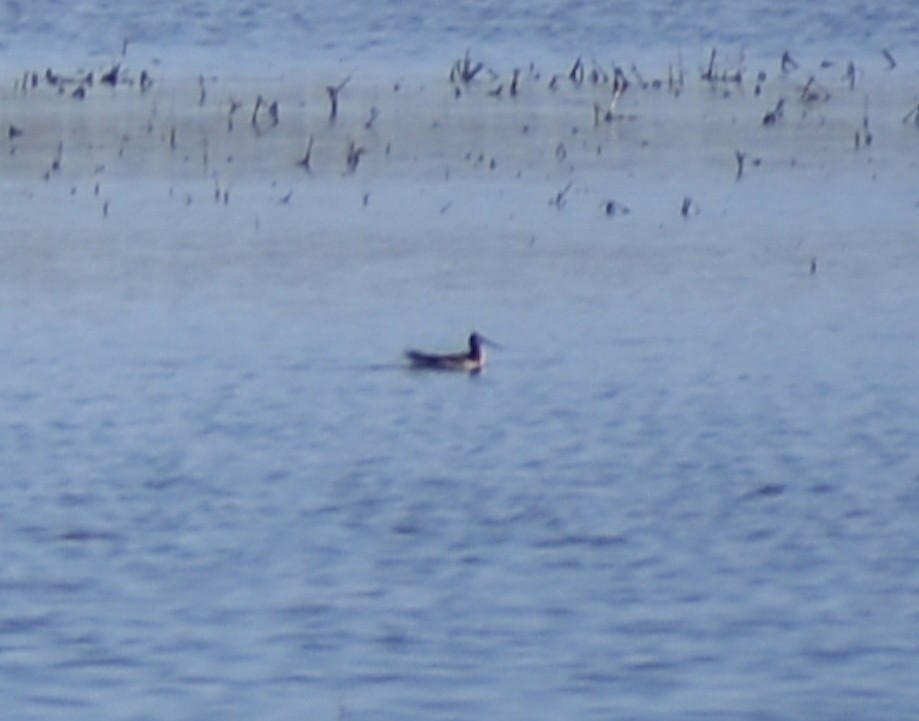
<point x="471" y="361"/>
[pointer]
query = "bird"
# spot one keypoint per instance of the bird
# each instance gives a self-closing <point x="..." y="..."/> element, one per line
<point x="471" y="361"/>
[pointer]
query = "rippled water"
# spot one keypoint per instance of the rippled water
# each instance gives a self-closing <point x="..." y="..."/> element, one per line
<point x="687" y="487"/>
<point x="416" y="29"/>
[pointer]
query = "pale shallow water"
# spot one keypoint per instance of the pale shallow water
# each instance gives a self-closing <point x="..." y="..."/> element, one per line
<point x="687" y="487"/>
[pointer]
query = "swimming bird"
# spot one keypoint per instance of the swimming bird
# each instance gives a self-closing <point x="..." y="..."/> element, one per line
<point x="472" y="361"/>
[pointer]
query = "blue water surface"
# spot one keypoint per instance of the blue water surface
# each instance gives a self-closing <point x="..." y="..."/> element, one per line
<point x="687" y="486"/>
<point x="419" y="30"/>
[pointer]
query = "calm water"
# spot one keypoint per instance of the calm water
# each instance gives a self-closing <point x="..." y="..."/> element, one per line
<point x="686" y="488"/>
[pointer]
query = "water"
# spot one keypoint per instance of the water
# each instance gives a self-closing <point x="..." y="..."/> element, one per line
<point x="231" y="499"/>
<point x="686" y="488"/>
<point x="418" y="30"/>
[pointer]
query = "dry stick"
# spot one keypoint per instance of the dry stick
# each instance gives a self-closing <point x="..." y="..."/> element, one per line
<point x="468" y="71"/>
<point x="205" y="157"/>
<point x="305" y="162"/>
<point x="868" y="136"/>
<point x="374" y="114"/>
<point x="850" y="75"/>
<point x="234" y="106"/>
<point x="914" y="114"/>
<point x="675" y="83"/>
<point x="111" y="77"/>
<point x="709" y="74"/>
<point x="891" y="62"/>
<point x="598" y="74"/>
<point x="773" y="116"/>
<point x="354" y="156"/>
<point x="788" y="62"/>
<point x="620" y="85"/>
<point x="333" y="99"/>
<point x="576" y="74"/>
<point x="814" y="92"/>
<point x="638" y="77"/>
<point x="559" y="200"/>
<point x="689" y="207"/>
<point x="464" y="71"/>
<point x="740" y="159"/>
<point x="258" y="104"/>
<point x="333" y="91"/>
<point x="58" y="157"/>
<point x="514" y="81"/>
<point x="202" y="92"/>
